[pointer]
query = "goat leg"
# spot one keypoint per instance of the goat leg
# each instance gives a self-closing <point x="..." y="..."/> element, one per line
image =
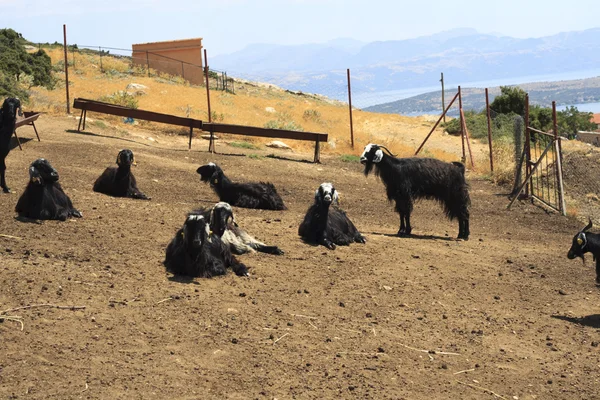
<point x="598" y="272"/>
<point x="270" y="250"/>
<point x="358" y="238"/>
<point x="239" y="269"/>
<point x="327" y="243"/>
<point x="5" y="188"/>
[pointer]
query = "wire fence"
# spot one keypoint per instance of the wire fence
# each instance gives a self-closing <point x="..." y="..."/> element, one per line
<point x="145" y="63"/>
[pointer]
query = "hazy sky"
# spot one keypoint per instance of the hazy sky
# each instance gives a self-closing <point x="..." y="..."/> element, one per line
<point x="230" y="25"/>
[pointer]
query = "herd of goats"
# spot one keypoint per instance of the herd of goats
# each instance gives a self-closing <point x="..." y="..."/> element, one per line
<point x="209" y="239"/>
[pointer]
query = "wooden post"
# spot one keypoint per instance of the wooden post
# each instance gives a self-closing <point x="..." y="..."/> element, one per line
<point x="350" y="109"/>
<point x="147" y="63"/>
<point x="317" y="158"/>
<point x="443" y="102"/>
<point x="561" y="194"/>
<point x="489" y="123"/>
<point x="66" y="69"/>
<point x="527" y="147"/>
<point x="211" y="143"/>
<point x="462" y="133"/>
<point x="436" y="124"/>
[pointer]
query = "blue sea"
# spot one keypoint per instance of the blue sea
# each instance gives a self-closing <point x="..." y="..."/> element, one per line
<point x="362" y="100"/>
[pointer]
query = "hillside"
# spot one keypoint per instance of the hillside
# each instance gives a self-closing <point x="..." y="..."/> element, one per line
<point x="540" y="93"/>
<point x="253" y="104"/>
<point x="464" y="55"/>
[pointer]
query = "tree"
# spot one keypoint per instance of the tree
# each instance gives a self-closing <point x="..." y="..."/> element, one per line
<point x="16" y="62"/>
<point x="571" y="120"/>
<point x="510" y="100"/>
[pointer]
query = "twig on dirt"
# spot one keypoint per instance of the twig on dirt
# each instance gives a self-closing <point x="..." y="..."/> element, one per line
<point x="13" y="318"/>
<point x="303" y="316"/>
<point x="43" y="305"/>
<point x="84" y="283"/>
<point x="354" y="353"/>
<point x="465" y="370"/>
<point x="350" y="330"/>
<point x="482" y="389"/>
<point x="281" y="337"/>
<point x="163" y="300"/>
<point x="314" y="326"/>
<point x="430" y="352"/>
<point x="86" y="388"/>
<point x="10" y="236"/>
<point x="374" y="334"/>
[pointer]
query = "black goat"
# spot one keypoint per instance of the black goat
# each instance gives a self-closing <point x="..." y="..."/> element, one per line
<point x="194" y="251"/>
<point x="586" y="242"/>
<point x="326" y="224"/>
<point x="410" y="179"/>
<point x="247" y="195"/>
<point x="120" y="182"/>
<point x="223" y="224"/>
<point x="8" y="118"/>
<point x="44" y="198"/>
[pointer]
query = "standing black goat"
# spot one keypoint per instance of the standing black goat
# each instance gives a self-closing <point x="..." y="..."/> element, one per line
<point x="44" y="198"/>
<point x="586" y="242"/>
<point x="223" y="224"/>
<point x="247" y="195"/>
<point x="120" y="182"/>
<point x="326" y="224"/>
<point x="410" y="179"/>
<point x="8" y="118"/>
<point x="194" y="251"/>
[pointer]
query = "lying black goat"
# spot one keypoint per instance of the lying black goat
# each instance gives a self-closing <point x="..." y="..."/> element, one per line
<point x="44" y="198"/>
<point x="120" y="182"/>
<point x="194" y="251"/>
<point x="248" y="195"/>
<point x="223" y="224"/>
<point x="327" y="224"/>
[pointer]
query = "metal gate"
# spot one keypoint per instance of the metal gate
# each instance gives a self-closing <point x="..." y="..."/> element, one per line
<point x="543" y="165"/>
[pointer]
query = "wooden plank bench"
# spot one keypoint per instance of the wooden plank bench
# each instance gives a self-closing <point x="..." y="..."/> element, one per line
<point x="86" y="105"/>
<point x="266" y="132"/>
<point x="29" y="118"/>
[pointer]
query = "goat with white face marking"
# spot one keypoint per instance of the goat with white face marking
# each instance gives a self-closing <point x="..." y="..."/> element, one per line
<point x="586" y="242"/>
<point x="8" y="118"/>
<point x="327" y="224"/>
<point x="120" y="182"/>
<point x="194" y="251"/>
<point x="44" y="198"/>
<point x="410" y="179"/>
<point x="261" y="195"/>
<point x="223" y="224"/>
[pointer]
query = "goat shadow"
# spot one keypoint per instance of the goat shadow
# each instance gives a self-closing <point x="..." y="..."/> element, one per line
<point x="593" y="320"/>
<point x="14" y="144"/>
<point x="87" y="133"/>
<point x="28" y="220"/>
<point x="414" y="236"/>
<point x="183" y="279"/>
<point x="276" y="157"/>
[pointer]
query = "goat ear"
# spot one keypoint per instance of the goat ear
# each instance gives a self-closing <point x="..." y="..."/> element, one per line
<point x="317" y="195"/>
<point x="579" y="241"/>
<point x="210" y="219"/>
<point x="336" y="197"/>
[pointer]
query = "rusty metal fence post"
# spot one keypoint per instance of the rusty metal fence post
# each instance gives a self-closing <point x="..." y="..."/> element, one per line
<point x="489" y="126"/>
<point x="350" y="109"/>
<point x="66" y="68"/>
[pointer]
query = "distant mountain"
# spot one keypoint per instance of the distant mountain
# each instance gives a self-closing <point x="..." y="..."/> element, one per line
<point x="462" y="54"/>
<point x="541" y="93"/>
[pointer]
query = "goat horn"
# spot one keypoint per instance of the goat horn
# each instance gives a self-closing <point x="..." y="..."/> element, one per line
<point x="589" y="225"/>
<point x="388" y="151"/>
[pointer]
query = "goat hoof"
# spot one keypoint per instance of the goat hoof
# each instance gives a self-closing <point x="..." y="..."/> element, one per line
<point x="6" y="190"/>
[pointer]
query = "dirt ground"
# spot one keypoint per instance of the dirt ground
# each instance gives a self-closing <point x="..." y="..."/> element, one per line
<point x="503" y="315"/>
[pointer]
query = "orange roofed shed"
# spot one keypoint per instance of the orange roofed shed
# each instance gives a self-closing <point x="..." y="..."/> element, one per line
<point x="174" y="57"/>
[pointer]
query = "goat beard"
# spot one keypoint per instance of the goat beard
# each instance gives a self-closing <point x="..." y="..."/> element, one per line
<point x="368" y="167"/>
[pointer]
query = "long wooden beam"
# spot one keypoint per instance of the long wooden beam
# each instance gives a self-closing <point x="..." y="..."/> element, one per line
<point x="264" y="132"/>
<point x="106" y="108"/>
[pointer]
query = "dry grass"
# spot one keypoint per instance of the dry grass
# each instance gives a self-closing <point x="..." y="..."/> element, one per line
<point x="252" y="104"/>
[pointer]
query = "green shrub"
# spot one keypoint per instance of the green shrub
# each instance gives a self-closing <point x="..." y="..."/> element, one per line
<point x="121" y="98"/>
<point x="243" y="145"/>
<point x="349" y="158"/>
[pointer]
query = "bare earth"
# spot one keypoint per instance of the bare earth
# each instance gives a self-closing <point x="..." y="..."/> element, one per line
<point x="504" y="315"/>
